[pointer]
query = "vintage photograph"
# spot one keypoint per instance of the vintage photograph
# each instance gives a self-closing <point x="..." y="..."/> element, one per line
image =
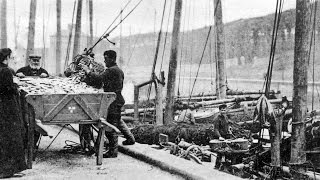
<point x="159" y="89"/>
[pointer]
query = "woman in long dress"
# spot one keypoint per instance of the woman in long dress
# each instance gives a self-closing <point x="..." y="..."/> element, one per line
<point x="12" y="156"/>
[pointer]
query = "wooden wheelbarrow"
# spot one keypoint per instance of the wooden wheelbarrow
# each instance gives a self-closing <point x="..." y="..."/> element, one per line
<point x="54" y="109"/>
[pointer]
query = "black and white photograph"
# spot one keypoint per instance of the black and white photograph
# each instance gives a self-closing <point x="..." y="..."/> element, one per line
<point x="159" y="89"/>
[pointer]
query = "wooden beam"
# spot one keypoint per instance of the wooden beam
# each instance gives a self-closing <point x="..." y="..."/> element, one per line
<point x="31" y="31"/>
<point x="77" y="36"/>
<point x="173" y="63"/>
<point x="91" y="22"/>
<point x="221" y="87"/>
<point x="159" y="103"/>
<point x="58" y="39"/>
<point x="136" y="102"/>
<point x="300" y="87"/>
<point x="4" y="24"/>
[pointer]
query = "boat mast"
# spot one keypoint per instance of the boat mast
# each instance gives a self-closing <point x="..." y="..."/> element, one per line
<point x="300" y="87"/>
<point x="169" y="110"/>
<point x="31" y="32"/>
<point x="15" y="26"/>
<point x="4" y="24"/>
<point x="91" y="22"/>
<point x="120" y="43"/>
<point x="58" y="39"/>
<point x="76" y="44"/>
<point x="221" y="88"/>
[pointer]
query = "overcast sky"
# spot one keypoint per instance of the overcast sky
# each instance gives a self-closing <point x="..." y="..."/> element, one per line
<point x="145" y="18"/>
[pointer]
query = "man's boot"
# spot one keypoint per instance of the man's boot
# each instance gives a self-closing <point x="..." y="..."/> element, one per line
<point x="112" y="153"/>
<point x="126" y="133"/>
<point x="113" y="146"/>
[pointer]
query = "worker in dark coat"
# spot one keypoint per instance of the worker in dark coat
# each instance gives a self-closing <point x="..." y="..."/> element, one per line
<point x="12" y="156"/>
<point x="222" y="130"/>
<point x="33" y="69"/>
<point x="221" y="124"/>
<point x="112" y="80"/>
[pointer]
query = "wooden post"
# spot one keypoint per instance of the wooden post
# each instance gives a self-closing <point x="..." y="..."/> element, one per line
<point x="173" y="64"/>
<point x="300" y="86"/>
<point x="91" y="21"/>
<point x="58" y="39"/>
<point x="136" y="102"/>
<point x="29" y="119"/>
<point x="159" y="99"/>
<point x="77" y="36"/>
<point x="120" y="62"/>
<point x="15" y="26"/>
<point x="31" y="32"/>
<point x="275" y="138"/>
<point x="221" y="84"/>
<point x="4" y="24"/>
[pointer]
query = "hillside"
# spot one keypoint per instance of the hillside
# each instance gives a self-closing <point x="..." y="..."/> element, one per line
<point x="247" y="44"/>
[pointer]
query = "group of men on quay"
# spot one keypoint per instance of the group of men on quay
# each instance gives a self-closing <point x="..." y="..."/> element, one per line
<point x="13" y="128"/>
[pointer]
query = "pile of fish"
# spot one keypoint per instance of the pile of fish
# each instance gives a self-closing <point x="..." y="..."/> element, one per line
<point x="57" y="85"/>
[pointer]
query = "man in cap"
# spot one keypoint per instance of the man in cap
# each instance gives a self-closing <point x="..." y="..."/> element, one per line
<point x="112" y="81"/>
<point x="33" y="69"/>
<point x="222" y="130"/>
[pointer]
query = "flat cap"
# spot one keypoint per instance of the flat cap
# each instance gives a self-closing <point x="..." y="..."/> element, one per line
<point x="111" y="54"/>
<point x="34" y="56"/>
<point x="222" y="106"/>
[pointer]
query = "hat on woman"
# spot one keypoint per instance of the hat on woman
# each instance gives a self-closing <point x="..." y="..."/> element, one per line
<point x="4" y="52"/>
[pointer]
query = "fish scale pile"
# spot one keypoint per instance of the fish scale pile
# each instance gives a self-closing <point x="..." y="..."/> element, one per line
<point x="53" y="86"/>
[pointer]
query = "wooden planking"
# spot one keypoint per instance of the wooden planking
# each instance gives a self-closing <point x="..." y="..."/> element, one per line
<point x="91" y="98"/>
<point x="31" y="127"/>
<point x="86" y="108"/>
<point x="70" y="117"/>
<point x="37" y="102"/>
<point x="47" y="107"/>
<point x="74" y="121"/>
<point x="67" y="109"/>
<point x="61" y="104"/>
<point x="52" y="98"/>
<point x="100" y="145"/>
<point x="106" y="100"/>
<point x="55" y="98"/>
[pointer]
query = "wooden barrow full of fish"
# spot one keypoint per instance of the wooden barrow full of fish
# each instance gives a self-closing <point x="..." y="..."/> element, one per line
<point x="85" y="107"/>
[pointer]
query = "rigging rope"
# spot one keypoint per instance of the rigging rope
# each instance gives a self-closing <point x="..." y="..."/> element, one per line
<point x="123" y="18"/>
<point x="208" y="35"/>
<point x="189" y="35"/>
<point x="191" y="58"/>
<point x="277" y="18"/>
<point x="166" y="36"/>
<point x="107" y="33"/>
<point x="120" y="13"/>
<point x="210" y="53"/>
<point x="70" y="36"/>
<point x="313" y="38"/>
<point x="134" y="46"/>
<point x="155" y="58"/>
<point x="205" y="45"/>
<point x="181" y="50"/>
<point x="159" y="39"/>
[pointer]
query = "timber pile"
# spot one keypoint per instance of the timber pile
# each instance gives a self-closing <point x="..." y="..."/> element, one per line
<point x="53" y="86"/>
<point x="199" y="134"/>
